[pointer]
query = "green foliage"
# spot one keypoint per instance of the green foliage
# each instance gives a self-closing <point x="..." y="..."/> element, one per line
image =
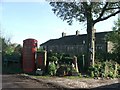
<point x="73" y="72"/>
<point x="111" y="74"/>
<point x="88" y="12"/>
<point x="104" y="69"/>
<point x="80" y="75"/>
<point x="10" y="51"/>
<point x="5" y="44"/>
<point x="52" y="69"/>
<point x="13" y="52"/>
<point x="50" y="57"/>
<point x="114" y="37"/>
<point x="77" y="10"/>
<point x="67" y="70"/>
<point x="63" y="70"/>
<point x="118" y="76"/>
<point x="101" y="56"/>
<point x="60" y="57"/>
<point x="53" y="59"/>
<point x="63" y="65"/>
<point x="40" y="49"/>
<point x="66" y="60"/>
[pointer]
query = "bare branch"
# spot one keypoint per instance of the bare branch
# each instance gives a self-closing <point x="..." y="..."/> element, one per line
<point x="103" y="10"/>
<point x="102" y="19"/>
<point x="113" y="8"/>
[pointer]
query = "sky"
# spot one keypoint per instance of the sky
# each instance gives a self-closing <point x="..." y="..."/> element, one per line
<point x="22" y="20"/>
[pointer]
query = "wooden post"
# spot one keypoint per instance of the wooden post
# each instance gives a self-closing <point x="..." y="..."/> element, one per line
<point x="75" y="63"/>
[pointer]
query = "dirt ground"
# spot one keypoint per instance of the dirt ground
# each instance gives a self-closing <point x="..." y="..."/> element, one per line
<point x="87" y="83"/>
<point x="13" y="81"/>
<point x="57" y="83"/>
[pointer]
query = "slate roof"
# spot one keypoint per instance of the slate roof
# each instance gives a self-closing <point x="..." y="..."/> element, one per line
<point x="75" y="39"/>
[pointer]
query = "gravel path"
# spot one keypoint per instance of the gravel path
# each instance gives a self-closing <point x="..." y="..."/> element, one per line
<point x="57" y="83"/>
<point x="83" y="82"/>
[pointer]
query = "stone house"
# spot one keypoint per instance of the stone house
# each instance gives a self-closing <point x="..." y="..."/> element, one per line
<point x="76" y="44"/>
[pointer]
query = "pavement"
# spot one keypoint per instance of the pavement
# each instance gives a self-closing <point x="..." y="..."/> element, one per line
<point x="79" y="83"/>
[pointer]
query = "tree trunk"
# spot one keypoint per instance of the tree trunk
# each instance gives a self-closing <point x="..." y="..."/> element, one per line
<point x="90" y="40"/>
<point x="90" y="46"/>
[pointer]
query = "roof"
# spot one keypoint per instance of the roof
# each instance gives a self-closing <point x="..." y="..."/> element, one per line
<point x="29" y="39"/>
<point x="74" y="39"/>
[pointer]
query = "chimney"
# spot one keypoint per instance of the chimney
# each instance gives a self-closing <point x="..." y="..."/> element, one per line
<point x="63" y="34"/>
<point x="77" y="32"/>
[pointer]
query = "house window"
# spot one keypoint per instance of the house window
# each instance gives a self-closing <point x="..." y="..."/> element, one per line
<point x="99" y="47"/>
<point x="83" y="41"/>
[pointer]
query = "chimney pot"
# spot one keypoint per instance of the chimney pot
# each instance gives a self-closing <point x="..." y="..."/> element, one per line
<point x="77" y="32"/>
<point x="63" y="34"/>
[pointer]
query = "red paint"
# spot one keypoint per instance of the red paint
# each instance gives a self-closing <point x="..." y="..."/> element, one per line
<point x="29" y="50"/>
<point x="40" y="60"/>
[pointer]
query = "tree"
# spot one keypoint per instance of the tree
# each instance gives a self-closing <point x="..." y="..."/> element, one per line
<point x="5" y="44"/>
<point x="89" y="12"/>
<point x="114" y="37"/>
<point x="10" y="50"/>
<point x="18" y="49"/>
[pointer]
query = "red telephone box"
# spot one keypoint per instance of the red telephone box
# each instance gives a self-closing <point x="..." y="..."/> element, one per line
<point x="29" y="51"/>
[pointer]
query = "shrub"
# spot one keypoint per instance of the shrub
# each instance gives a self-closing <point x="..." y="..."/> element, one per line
<point x="111" y="74"/>
<point x="74" y="72"/>
<point x="104" y="69"/>
<point x="80" y="75"/>
<point x="92" y="74"/>
<point x="53" y="59"/>
<point x="52" y="69"/>
<point x="66" y="60"/>
<point x="63" y="70"/>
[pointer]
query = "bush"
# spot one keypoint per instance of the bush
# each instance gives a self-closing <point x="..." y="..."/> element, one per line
<point x="104" y="69"/>
<point x="92" y="74"/>
<point x="66" y="60"/>
<point x="80" y="75"/>
<point x="53" y="59"/>
<point x="63" y="70"/>
<point x="67" y="70"/>
<point x="52" y="69"/>
<point x="73" y="72"/>
<point x="111" y="74"/>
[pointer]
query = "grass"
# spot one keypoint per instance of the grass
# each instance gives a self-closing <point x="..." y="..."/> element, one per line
<point x="65" y="77"/>
<point x="72" y="77"/>
<point x="48" y="76"/>
<point x="44" y="77"/>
